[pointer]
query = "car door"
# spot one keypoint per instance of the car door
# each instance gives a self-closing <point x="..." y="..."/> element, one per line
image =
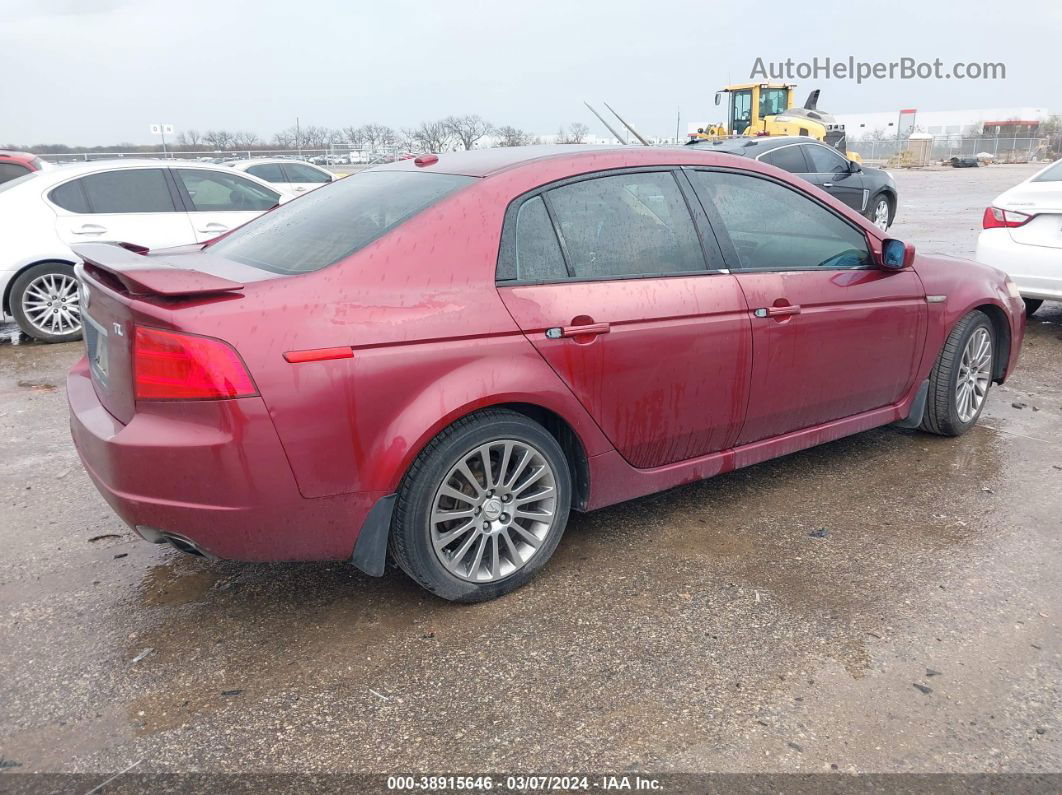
<point x="607" y="278"/>
<point x="130" y="205"/>
<point x="833" y="334"/>
<point x="789" y="158"/>
<point x="302" y="177"/>
<point x="833" y="173"/>
<point x="218" y="201"/>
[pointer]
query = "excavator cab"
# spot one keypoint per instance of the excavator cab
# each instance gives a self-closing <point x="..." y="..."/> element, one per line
<point x="751" y="103"/>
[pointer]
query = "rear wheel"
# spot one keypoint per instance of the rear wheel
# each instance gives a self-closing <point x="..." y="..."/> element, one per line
<point x="1031" y="305"/>
<point x="879" y="211"/>
<point x="961" y="378"/>
<point x="482" y="508"/>
<point x="45" y="302"/>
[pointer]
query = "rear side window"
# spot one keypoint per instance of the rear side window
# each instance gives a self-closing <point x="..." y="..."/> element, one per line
<point x="297" y="172"/>
<point x="633" y="224"/>
<point x="1052" y="174"/>
<point x="775" y="228"/>
<point x="142" y="190"/>
<point x="10" y="171"/>
<point x="538" y="252"/>
<point x="270" y="172"/>
<point x="70" y="197"/>
<point x="213" y="191"/>
<point x="323" y="227"/>
<point x="788" y="158"/>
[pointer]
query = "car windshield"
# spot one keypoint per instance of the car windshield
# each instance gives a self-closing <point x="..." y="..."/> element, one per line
<point x="329" y="224"/>
<point x="1051" y="174"/>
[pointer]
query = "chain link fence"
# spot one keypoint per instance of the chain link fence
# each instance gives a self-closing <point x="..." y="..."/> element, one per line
<point x="942" y="148"/>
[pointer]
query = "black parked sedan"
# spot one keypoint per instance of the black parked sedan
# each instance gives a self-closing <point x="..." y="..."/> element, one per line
<point x="871" y="191"/>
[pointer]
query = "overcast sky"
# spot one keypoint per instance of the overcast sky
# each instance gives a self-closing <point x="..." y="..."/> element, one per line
<point x="100" y="71"/>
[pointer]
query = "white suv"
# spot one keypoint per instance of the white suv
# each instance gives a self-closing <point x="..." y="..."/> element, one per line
<point x="149" y="203"/>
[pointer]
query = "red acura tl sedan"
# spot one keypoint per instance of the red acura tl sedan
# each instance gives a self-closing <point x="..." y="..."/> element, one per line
<point x="434" y="361"/>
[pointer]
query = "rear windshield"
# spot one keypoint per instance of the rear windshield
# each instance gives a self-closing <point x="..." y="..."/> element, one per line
<point x="333" y="222"/>
<point x="1052" y="174"/>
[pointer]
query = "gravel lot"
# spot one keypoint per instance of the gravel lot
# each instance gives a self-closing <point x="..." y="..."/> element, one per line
<point x="889" y="603"/>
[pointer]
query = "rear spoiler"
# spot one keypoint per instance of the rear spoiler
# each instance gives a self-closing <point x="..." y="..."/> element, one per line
<point x="141" y="275"/>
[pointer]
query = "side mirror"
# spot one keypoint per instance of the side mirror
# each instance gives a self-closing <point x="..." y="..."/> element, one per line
<point x="896" y="255"/>
<point x="854" y="167"/>
<point x="718" y="97"/>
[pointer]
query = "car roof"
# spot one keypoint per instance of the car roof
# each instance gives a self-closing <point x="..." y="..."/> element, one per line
<point x="252" y="161"/>
<point x="485" y="162"/>
<point x="745" y="145"/>
<point x="64" y="171"/>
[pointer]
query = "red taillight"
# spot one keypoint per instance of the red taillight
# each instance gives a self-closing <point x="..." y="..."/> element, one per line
<point x="171" y="366"/>
<point x="996" y="218"/>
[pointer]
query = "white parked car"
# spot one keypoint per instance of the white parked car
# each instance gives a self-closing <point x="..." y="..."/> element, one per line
<point x="150" y="203"/>
<point x="294" y="176"/>
<point x="1022" y="235"/>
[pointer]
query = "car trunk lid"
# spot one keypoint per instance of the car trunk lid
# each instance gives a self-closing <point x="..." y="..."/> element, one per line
<point x="122" y="286"/>
<point x="1042" y="200"/>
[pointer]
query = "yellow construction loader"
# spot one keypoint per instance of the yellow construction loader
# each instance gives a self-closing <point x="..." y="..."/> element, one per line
<point x="767" y="109"/>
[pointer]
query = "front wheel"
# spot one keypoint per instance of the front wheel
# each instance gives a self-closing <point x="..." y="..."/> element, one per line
<point x="961" y="378"/>
<point x="482" y="508"/>
<point x="45" y="302"/>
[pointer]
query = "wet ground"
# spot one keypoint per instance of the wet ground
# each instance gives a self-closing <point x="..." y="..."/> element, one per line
<point x="888" y="602"/>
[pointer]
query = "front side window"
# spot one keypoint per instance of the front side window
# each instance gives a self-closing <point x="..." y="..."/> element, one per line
<point x="788" y="158"/>
<point x="270" y="172"/>
<point x="10" y="171"/>
<point x="298" y="172"/>
<point x="825" y="161"/>
<point x="633" y="224"/>
<point x="324" y="227"/>
<point x="141" y="190"/>
<point x="213" y="191"/>
<point x="776" y="228"/>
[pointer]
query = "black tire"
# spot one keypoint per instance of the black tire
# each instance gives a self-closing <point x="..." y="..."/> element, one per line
<point x="18" y="296"/>
<point x="1031" y="305"/>
<point x="872" y="207"/>
<point x="942" y="414"/>
<point x="410" y="541"/>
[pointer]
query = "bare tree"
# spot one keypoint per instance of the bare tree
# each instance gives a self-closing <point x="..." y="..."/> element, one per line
<point x="245" y="139"/>
<point x="511" y="136"/>
<point x="469" y="130"/>
<point x="218" y="139"/>
<point x="434" y="136"/>
<point x="355" y="136"/>
<point x="378" y="135"/>
<point x="314" y="137"/>
<point x="577" y="132"/>
<point x="189" y="138"/>
<point x="561" y="137"/>
<point x="288" y="139"/>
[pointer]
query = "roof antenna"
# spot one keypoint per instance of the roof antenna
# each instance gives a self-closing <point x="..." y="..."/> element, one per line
<point x="601" y="119"/>
<point x="637" y="134"/>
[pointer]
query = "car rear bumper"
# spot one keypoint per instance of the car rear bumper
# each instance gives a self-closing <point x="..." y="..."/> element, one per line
<point x="213" y="473"/>
<point x="1037" y="270"/>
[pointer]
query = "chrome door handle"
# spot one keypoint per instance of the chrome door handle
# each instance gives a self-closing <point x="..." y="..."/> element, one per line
<point x="778" y="311"/>
<point x="212" y="227"/>
<point x="590" y="329"/>
<point x="90" y="229"/>
<point x="827" y="184"/>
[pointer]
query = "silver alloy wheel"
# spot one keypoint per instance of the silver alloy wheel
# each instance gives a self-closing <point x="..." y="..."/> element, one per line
<point x="51" y="303"/>
<point x="881" y="214"/>
<point x="975" y="374"/>
<point x="493" y="510"/>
